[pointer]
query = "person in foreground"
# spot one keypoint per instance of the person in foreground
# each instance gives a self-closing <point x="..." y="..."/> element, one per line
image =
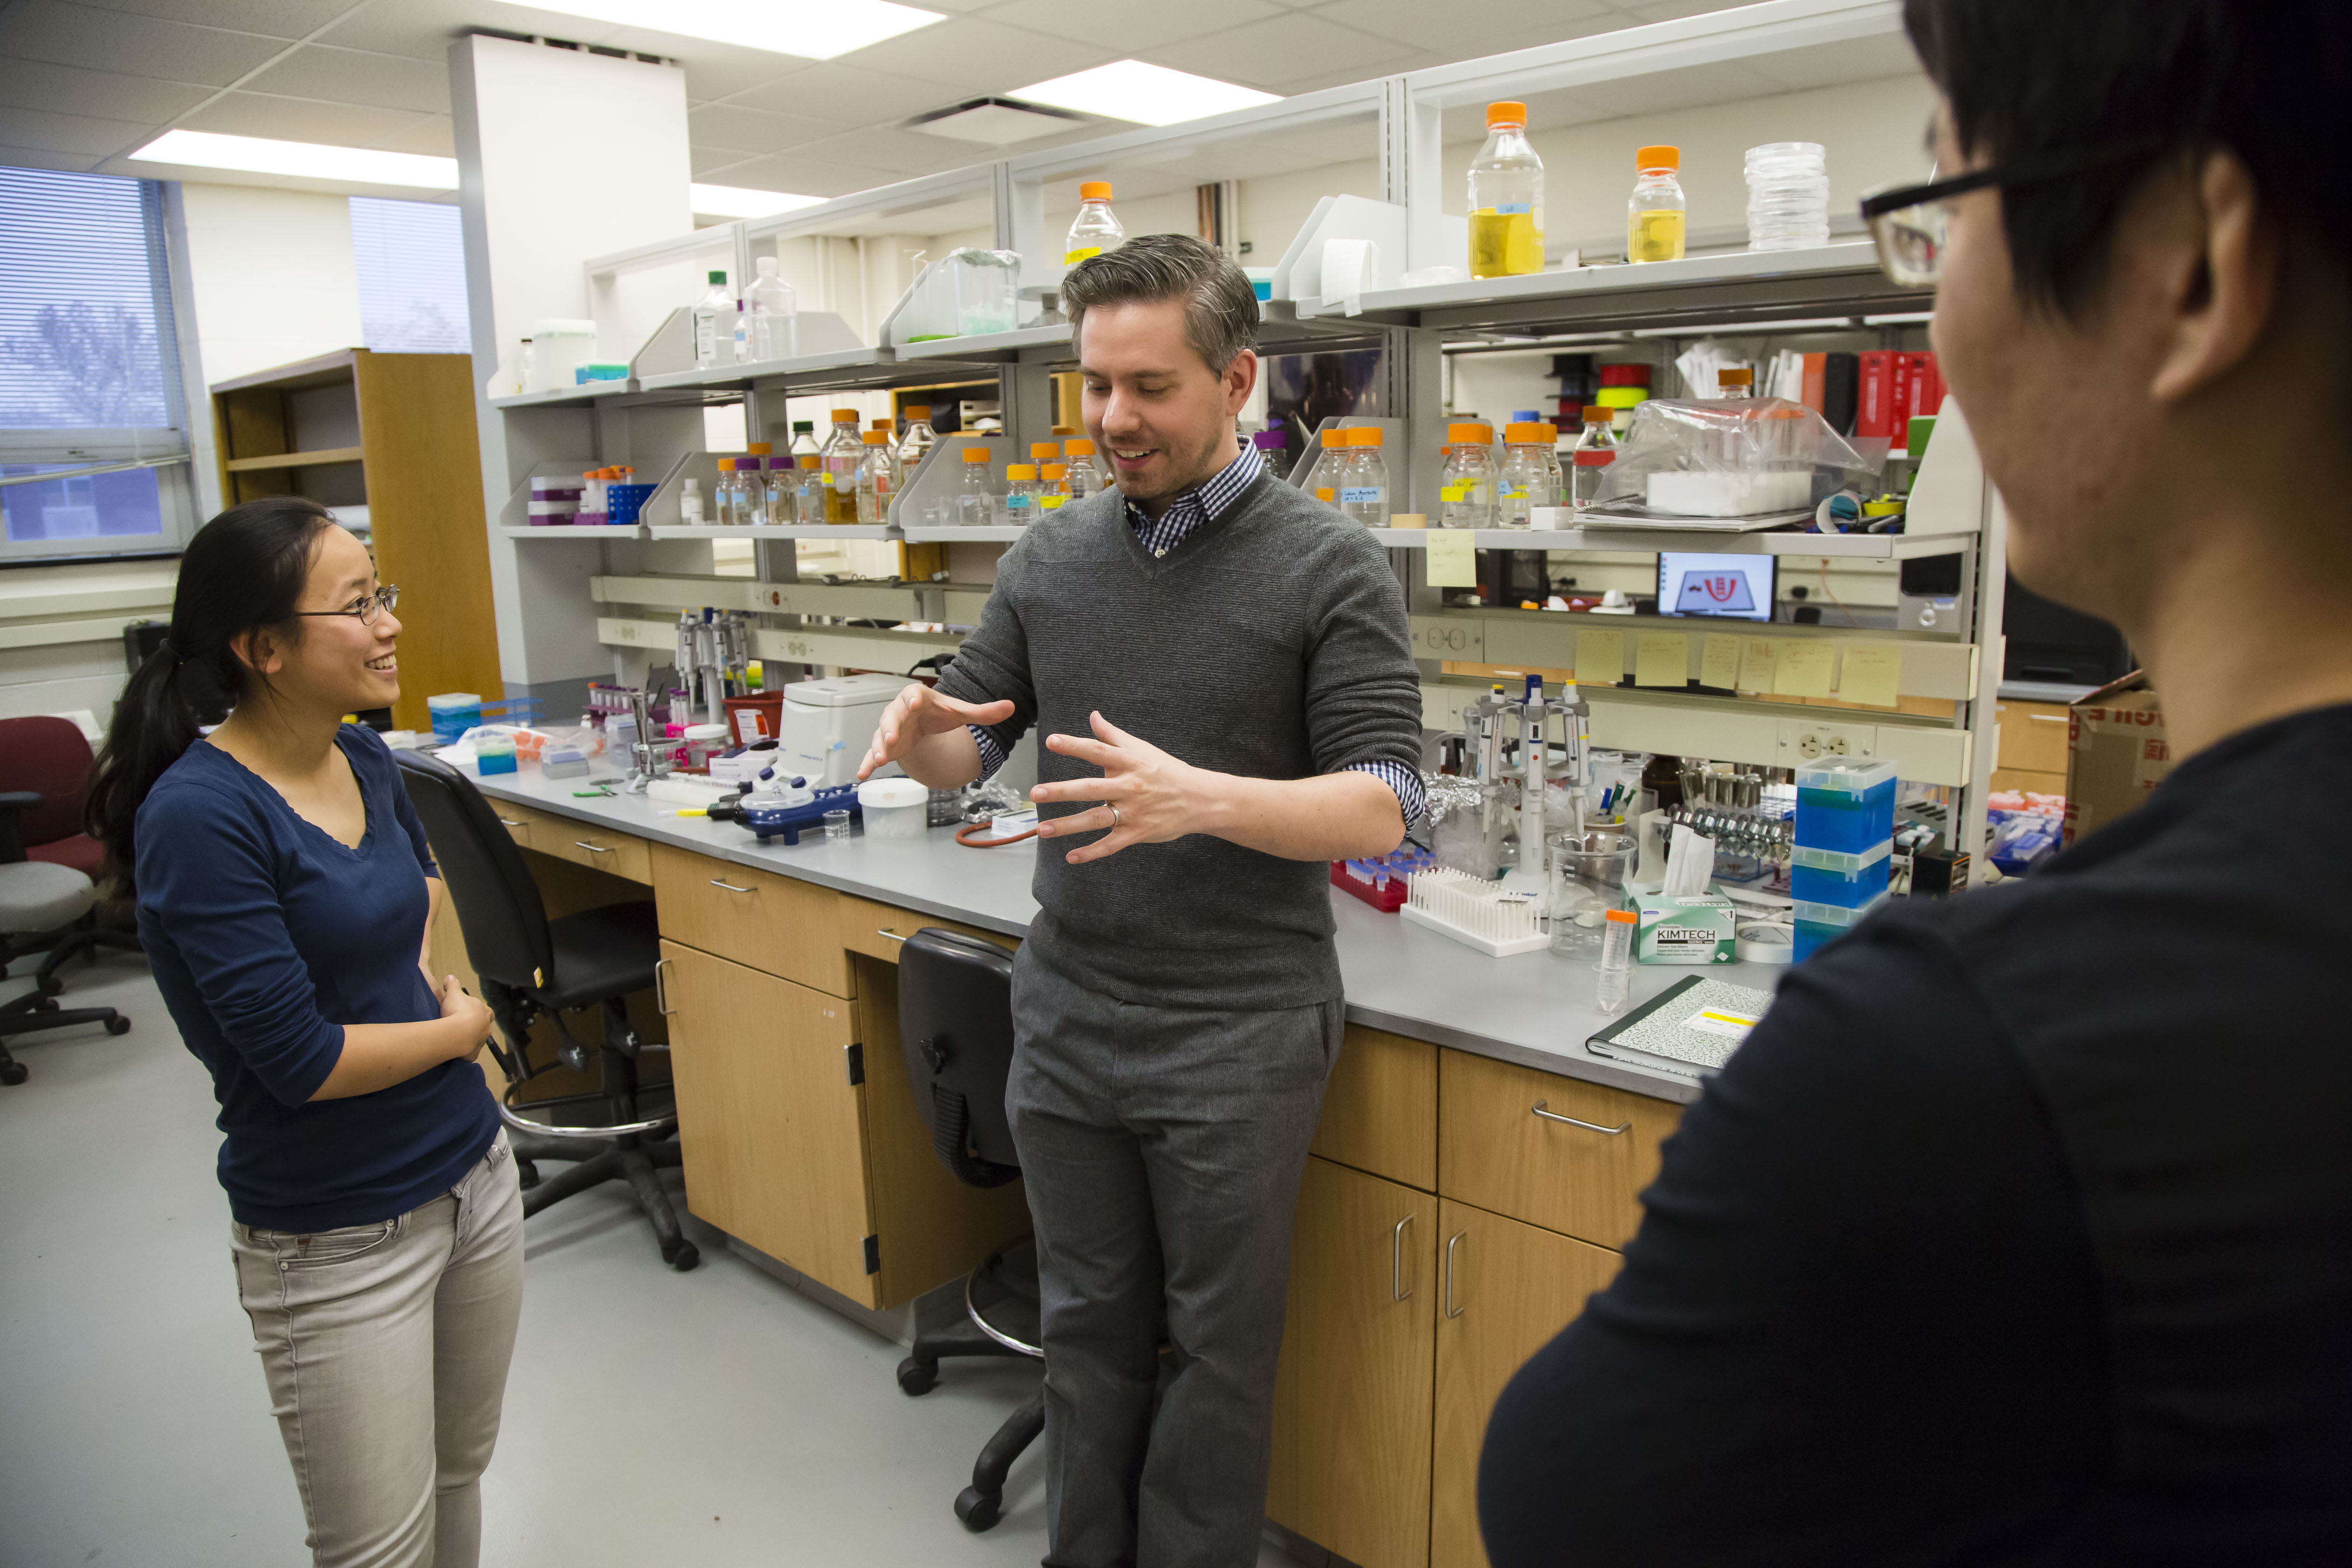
<point x="2019" y="1231"/>
<point x="286" y="897"/>
<point x="1221" y="669"/>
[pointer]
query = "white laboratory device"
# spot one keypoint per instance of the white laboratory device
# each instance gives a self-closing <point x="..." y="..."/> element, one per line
<point x="828" y="724"/>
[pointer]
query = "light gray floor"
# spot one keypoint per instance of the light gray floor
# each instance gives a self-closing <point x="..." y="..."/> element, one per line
<point x="712" y="1418"/>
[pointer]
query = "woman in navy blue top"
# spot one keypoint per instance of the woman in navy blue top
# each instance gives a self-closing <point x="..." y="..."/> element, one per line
<point x="286" y="897"/>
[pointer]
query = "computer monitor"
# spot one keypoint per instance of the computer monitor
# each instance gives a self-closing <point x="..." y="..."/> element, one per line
<point x="1729" y="588"/>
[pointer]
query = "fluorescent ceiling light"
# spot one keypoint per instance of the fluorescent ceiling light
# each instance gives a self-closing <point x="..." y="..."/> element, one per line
<point x="1147" y="94"/>
<point x="736" y="201"/>
<point x="313" y="160"/>
<point x="813" y="29"/>
<point x="998" y="121"/>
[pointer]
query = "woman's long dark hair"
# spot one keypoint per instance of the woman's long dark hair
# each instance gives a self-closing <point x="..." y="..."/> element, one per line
<point x="244" y="570"/>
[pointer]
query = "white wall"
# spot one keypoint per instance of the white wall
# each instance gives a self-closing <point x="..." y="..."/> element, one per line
<point x="73" y="602"/>
<point x="272" y="275"/>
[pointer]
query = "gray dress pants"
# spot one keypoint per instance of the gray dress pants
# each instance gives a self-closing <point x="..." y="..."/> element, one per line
<point x="1161" y="1149"/>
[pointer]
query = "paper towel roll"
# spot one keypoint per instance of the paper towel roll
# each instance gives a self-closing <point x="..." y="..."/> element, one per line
<point x="1349" y="267"/>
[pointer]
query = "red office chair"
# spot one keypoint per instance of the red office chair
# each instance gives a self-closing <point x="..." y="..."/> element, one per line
<point x="49" y="757"/>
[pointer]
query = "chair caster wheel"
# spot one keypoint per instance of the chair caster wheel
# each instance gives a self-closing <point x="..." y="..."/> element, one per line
<point x="978" y="1509"/>
<point x="526" y="1174"/>
<point x="915" y="1378"/>
<point x="14" y="1073"/>
<point x="118" y="1025"/>
<point x="50" y="985"/>
<point x="682" y="1257"/>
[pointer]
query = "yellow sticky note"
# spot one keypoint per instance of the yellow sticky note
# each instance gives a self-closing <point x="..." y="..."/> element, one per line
<point x="1872" y="673"/>
<point x="1662" y="658"/>
<point x="1804" y="667"/>
<point x="1600" y="657"/>
<point x="1719" y="661"/>
<point x="1453" y="563"/>
<point x="1756" y="663"/>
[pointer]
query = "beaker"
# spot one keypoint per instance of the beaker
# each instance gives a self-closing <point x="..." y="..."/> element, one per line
<point x="1588" y="879"/>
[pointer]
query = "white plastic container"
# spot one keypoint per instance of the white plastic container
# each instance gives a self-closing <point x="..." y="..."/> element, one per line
<point x="1788" y="195"/>
<point x="558" y="349"/>
<point x="714" y="323"/>
<point x="895" y="808"/>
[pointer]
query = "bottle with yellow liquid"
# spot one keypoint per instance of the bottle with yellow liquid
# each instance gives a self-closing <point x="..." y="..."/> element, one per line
<point x="1097" y="229"/>
<point x="1506" y="192"/>
<point x="1654" y="218"/>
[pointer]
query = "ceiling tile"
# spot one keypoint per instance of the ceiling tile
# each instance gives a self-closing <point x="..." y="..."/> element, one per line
<point x="284" y="19"/>
<point x="846" y="95"/>
<point x="143" y="45"/>
<point x="1675" y="10"/>
<point x="420" y="29"/>
<point x="42" y="158"/>
<point x="979" y="55"/>
<point x="1478" y="28"/>
<point x="64" y="90"/>
<point x="903" y="153"/>
<point x="1316" y="79"/>
<point x="299" y="119"/>
<point x="351" y="76"/>
<point x="432" y="136"/>
<point x="753" y="129"/>
<point x="46" y="132"/>
<point x="1285" y="46"/>
<point x="1128" y="26"/>
<point x="803" y="176"/>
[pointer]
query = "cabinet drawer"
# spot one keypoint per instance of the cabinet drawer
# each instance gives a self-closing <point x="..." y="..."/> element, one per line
<point x="1380" y="1113"/>
<point x="771" y="924"/>
<point x="623" y="855"/>
<point x="1504" y="1146"/>
<point x="879" y="931"/>
<point x="2033" y="736"/>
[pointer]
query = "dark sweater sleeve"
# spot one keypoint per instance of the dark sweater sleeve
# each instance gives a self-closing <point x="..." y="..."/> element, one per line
<point x="1860" y="1322"/>
<point x="205" y="874"/>
<point x="1363" y="694"/>
<point x="992" y="664"/>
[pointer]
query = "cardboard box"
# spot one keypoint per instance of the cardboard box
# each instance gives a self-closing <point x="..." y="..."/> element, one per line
<point x="1698" y="929"/>
<point x="2115" y="753"/>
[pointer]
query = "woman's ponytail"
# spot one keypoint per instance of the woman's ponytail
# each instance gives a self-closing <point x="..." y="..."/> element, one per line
<point x="244" y="570"/>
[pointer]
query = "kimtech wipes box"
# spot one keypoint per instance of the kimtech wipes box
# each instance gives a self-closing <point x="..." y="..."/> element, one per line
<point x="1695" y="929"/>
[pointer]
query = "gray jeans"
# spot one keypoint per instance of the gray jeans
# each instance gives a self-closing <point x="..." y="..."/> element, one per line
<point x="1161" y="1150"/>
<point x="385" y="1347"/>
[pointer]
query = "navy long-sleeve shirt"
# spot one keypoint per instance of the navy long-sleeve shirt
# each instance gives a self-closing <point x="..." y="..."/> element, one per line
<point x="267" y="936"/>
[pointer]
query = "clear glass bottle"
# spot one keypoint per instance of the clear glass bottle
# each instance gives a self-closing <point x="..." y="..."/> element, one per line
<point x="714" y="323"/>
<point x="1096" y="230"/>
<point x="1272" y="453"/>
<point x="739" y="343"/>
<point x="1086" y="475"/>
<point x="804" y="440"/>
<point x="1595" y="449"/>
<point x="1653" y="214"/>
<point x="1507" y="198"/>
<point x="722" y="494"/>
<point x="810" y="488"/>
<point x="1055" y="479"/>
<point x="1364" y="491"/>
<point x="1554" y="471"/>
<point x="1524" y="481"/>
<point x="890" y="433"/>
<point x="1332" y="460"/>
<point x="1043" y="452"/>
<point x="975" y="495"/>
<point x="751" y="491"/>
<point x="783" y="492"/>
<point x="1735" y="381"/>
<point x="844" y="454"/>
<point x="1466" y="486"/>
<point x="877" y="478"/>
<point x="1021" y="498"/>
<point x="775" y="311"/>
<point x="917" y="443"/>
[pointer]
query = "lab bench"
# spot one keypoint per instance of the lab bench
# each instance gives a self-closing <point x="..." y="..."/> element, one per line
<point x="1475" y="1174"/>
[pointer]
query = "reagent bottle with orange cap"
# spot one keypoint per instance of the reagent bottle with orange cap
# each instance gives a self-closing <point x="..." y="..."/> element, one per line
<point x="1507" y="195"/>
<point x="1097" y="230"/>
<point x="1654" y="216"/>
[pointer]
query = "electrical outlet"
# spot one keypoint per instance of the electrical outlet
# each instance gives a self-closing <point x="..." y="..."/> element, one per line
<point x="1811" y="740"/>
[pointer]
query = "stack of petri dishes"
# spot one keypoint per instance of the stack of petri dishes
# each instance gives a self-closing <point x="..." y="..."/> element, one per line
<point x="1788" y="195"/>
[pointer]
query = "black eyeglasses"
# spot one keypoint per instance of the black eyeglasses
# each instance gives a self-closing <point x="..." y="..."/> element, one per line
<point x="1909" y="223"/>
<point x="366" y="608"/>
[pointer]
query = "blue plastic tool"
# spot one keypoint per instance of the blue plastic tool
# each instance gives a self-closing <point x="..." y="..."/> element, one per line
<point x="767" y="821"/>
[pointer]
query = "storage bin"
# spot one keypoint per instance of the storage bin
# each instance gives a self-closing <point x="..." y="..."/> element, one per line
<point x="895" y="808"/>
<point x="1818" y="924"/>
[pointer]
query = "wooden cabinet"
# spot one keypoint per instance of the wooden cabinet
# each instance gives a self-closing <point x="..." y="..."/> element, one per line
<point x="1380" y="1113"/>
<point x="1556" y="1151"/>
<point x="2032" y="746"/>
<point x="622" y="855"/>
<point x="756" y="917"/>
<point x="1504" y="1290"/>
<point x="877" y="930"/>
<point x="769" y="1119"/>
<point x="1352" y="1398"/>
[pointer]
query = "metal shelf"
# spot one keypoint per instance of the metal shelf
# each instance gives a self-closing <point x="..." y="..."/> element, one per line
<point x="768" y="530"/>
<point x="1650" y="541"/>
<point x="987" y="348"/>
<point x="581" y="397"/>
<point x="919" y="534"/>
<point x="571" y="530"/>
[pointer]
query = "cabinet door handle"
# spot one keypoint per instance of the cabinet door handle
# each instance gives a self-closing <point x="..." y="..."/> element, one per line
<point x="661" y="993"/>
<point x="1398" y="1290"/>
<point x="593" y="849"/>
<point x="1589" y="1126"/>
<point x="1451" y="1243"/>
<point x="722" y="882"/>
<point x="886" y="931"/>
<point x="2047" y="718"/>
<point x="510" y="822"/>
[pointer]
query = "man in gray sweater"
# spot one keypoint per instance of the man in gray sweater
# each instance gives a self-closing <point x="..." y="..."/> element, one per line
<point x="1222" y="672"/>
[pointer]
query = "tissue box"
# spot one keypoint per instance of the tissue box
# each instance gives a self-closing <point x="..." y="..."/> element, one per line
<point x="1695" y="929"/>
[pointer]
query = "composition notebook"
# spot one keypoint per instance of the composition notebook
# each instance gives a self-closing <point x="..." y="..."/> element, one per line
<point x="1691" y="1027"/>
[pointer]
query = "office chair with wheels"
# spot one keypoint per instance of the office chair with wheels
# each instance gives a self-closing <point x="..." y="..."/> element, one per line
<point x="531" y="966"/>
<point x="955" y="1025"/>
<point x="50" y="758"/>
<point x="40" y="899"/>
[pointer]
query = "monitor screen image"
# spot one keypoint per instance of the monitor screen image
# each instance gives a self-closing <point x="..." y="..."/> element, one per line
<point x="1738" y="587"/>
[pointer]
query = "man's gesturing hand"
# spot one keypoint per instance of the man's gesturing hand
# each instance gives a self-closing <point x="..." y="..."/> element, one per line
<point x="918" y="713"/>
<point x="1149" y="797"/>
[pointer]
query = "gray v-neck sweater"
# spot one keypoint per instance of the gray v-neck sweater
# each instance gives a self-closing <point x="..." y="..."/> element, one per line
<point x="1272" y="643"/>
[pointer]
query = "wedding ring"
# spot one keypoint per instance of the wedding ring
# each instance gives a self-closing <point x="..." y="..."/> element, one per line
<point x="1117" y="821"/>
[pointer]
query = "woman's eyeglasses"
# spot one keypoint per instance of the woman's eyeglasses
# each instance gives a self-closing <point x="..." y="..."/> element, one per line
<point x="367" y="608"/>
<point x="1909" y="224"/>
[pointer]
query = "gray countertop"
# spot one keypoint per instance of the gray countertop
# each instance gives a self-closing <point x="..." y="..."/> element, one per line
<point x="1535" y="1010"/>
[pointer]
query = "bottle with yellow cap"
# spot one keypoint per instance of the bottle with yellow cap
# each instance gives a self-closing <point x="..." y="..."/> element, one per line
<point x="890" y="438"/>
<point x="1086" y="476"/>
<point x="877" y="478"/>
<point x="1043" y="452"/>
<point x="1053" y="486"/>
<point x="844" y="454"/>
<point x="1466" y="486"/>
<point x="975" y="495"/>
<point x="1653" y="215"/>
<point x="1021" y="497"/>
<point x="1097" y="230"/>
<point x="811" y="491"/>
<point x="1364" y="487"/>
<point x="917" y="443"/>
<point x="1507" y="198"/>
<point x="1524" y="481"/>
